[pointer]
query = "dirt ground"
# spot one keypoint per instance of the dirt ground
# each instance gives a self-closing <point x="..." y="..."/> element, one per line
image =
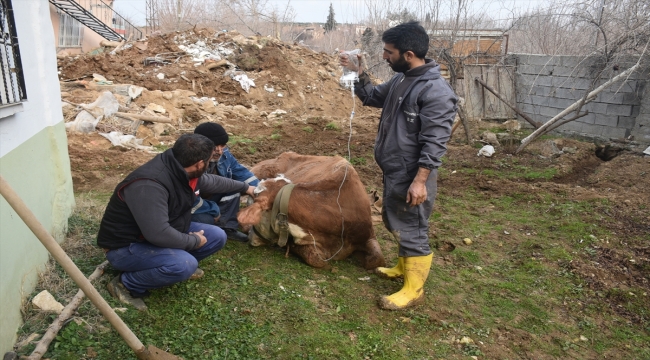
<point x="316" y="122"/>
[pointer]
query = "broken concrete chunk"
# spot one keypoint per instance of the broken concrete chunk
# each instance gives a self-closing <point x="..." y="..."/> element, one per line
<point x="490" y="138"/>
<point x="142" y="45"/>
<point x="158" y="128"/>
<point x="209" y="107"/>
<point x="241" y="110"/>
<point x="99" y="78"/>
<point x="512" y="125"/>
<point x="46" y="302"/>
<point x="215" y="64"/>
<point x="276" y="113"/>
<point x="549" y="149"/>
<point x="134" y="91"/>
<point x="156" y="108"/>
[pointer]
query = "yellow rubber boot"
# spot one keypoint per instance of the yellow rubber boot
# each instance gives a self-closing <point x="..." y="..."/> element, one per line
<point x="416" y="271"/>
<point x="394" y="272"/>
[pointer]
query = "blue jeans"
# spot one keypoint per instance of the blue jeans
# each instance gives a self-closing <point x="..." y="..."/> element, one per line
<point x="228" y="209"/>
<point x="147" y="266"/>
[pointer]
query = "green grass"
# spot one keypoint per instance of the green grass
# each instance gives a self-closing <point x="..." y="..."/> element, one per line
<point x="332" y="126"/>
<point x="161" y="147"/>
<point x="357" y="161"/>
<point x="235" y="139"/>
<point x="513" y="291"/>
<point x="308" y="129"/>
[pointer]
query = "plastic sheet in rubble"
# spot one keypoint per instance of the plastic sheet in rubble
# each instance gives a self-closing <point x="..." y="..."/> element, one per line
<point x="200" y="51"/>
<point x="241" y="77"/>
<point x="129" y="141"/>
<point x="85" y="122"/>
<point x="487" y="151"/>
<point x="201" y="100"/>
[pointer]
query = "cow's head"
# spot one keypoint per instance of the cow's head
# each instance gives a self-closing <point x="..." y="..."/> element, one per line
<point x="259" y="213"/>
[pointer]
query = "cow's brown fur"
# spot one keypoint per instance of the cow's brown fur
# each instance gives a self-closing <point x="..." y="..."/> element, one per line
<point x="313" y="207"/>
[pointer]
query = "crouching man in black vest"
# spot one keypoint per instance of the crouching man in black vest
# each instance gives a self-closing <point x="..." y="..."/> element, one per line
<point x="147" y="232"/>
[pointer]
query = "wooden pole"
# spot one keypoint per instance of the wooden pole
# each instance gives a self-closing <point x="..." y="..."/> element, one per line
<point x="52" y="330"/>
<point x="151" y="118"/>
<point x="463" y="119"/>
<point x="514" y="108"/>
<point x="453" y="128"/>
<point x="542" y="129"/>
<point x="77" y="276"/>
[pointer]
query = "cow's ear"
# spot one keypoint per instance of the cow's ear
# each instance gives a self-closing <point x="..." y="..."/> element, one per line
<point x="250" y="215"/>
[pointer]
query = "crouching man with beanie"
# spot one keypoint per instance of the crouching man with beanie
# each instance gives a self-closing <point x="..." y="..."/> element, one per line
<point x="223" y="163"/>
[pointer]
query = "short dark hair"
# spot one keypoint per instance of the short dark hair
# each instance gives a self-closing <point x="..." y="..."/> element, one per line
<point x="192" y="148"/>
<point x="409" y="36"/>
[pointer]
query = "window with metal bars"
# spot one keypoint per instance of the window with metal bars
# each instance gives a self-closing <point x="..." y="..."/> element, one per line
<point x="70" y="31"/>
<point x="12" y="84"/>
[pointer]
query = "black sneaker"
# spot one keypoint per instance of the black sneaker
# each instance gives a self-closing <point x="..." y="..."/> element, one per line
<point x="236" y="235"/>
<point x="120" y="292"/>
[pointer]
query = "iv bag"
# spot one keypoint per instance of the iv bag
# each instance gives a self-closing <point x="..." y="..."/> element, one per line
<point x="349" y="77"/>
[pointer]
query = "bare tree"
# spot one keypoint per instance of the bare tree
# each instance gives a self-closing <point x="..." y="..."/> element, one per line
<point x="259" y="16"/>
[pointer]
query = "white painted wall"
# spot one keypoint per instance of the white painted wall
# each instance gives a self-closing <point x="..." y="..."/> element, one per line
<point x="34" y="161"/>
<point x="38" y="56"/>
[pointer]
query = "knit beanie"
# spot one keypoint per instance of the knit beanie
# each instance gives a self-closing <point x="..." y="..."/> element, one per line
<point x="214" y="132"/>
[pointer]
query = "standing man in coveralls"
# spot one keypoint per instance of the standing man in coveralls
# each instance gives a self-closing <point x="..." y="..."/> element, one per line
<point x="418" y="108"/>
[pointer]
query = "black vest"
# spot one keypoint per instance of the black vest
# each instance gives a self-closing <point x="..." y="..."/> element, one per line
<point x="118" y="227"/>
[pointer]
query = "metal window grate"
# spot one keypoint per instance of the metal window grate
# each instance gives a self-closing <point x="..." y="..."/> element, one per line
<point x="12" y="84"/>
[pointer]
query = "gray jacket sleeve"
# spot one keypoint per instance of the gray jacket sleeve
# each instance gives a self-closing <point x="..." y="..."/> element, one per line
<point x="214" y="184"/>
<point x="369" y="94"/>
<point x="437" y="113"/>
<point x="147" y="200"/>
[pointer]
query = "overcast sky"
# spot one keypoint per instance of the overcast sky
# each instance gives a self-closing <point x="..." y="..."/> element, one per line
<point x="346" y="11"/>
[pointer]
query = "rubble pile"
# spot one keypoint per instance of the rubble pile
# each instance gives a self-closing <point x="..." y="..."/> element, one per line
<point x="201" y="75"/>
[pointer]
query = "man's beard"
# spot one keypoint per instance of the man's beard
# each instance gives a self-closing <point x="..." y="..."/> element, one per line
<point x="197" y="173"/>
<point x="401" y="65"/>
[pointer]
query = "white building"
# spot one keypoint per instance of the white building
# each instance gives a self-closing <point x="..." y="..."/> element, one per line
<point x="33" y="152"/>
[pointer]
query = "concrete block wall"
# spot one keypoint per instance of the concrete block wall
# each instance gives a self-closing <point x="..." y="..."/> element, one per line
<point x="641" y="128"/>
<point x="546" y="85"/>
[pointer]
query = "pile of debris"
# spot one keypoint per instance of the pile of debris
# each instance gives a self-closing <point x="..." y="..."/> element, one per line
<point x="169" y="83"/>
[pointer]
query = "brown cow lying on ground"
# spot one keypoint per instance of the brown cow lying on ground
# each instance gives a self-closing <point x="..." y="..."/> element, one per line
<point x="328" y="218"/>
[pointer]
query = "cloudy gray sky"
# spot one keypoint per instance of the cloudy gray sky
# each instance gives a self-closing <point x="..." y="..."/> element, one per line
<point x="346" y="11"/>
